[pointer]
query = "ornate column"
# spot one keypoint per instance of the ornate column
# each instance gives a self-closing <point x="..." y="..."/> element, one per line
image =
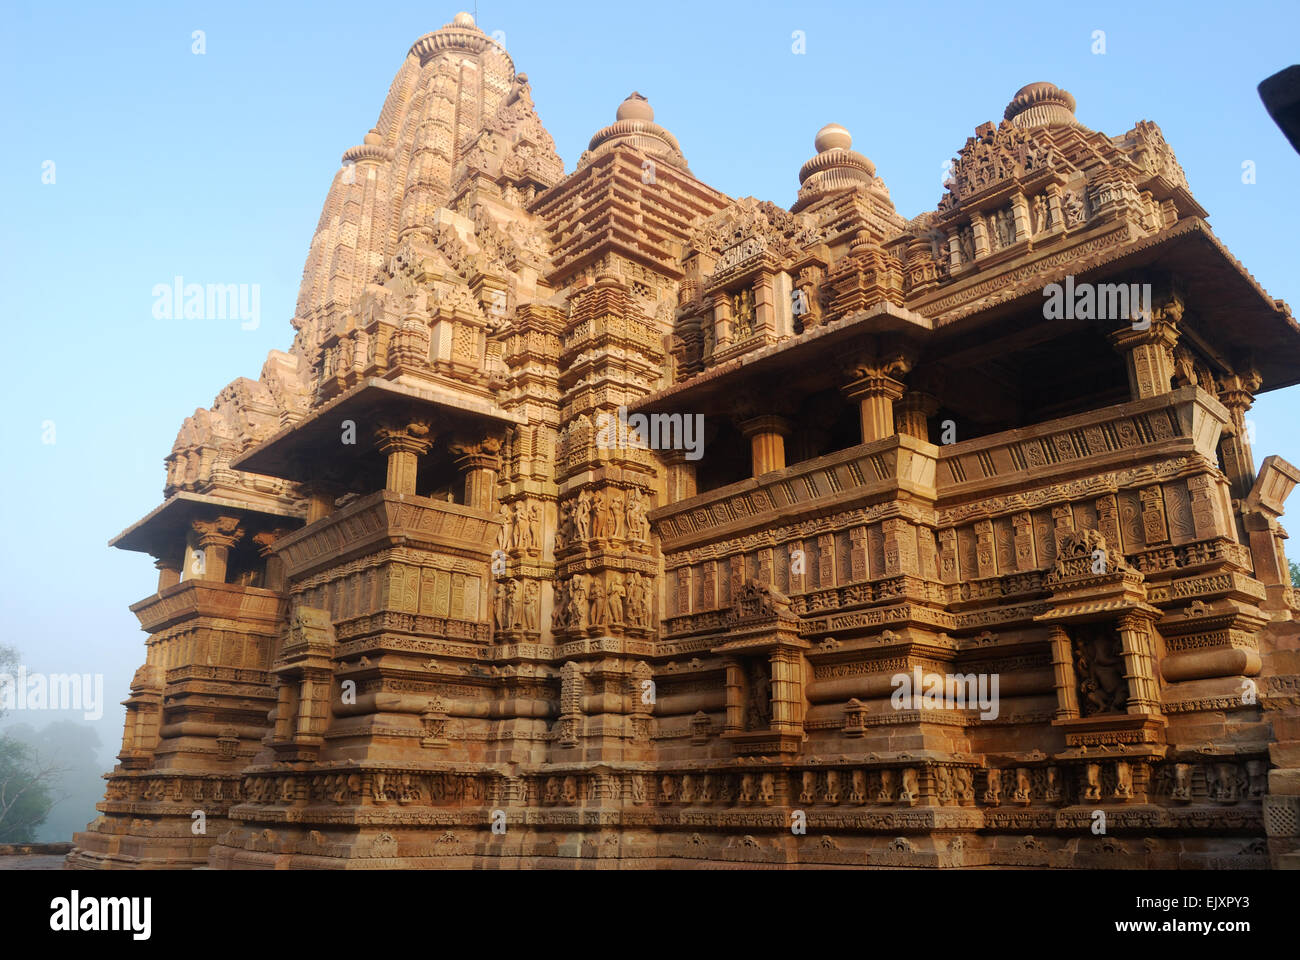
<point x="681" y="475"/>
<point x="320" y="502"/>
<point x="912" y="414"/>
<point x="787" y="690"/>
<point x="1020" y="212"/>
<point x="954" y="250"/>
<point x="1237" y="393"/>
<point x="404" y="445"/>
<point x="979" y="229"/>
<point x="766" y="436"/>
<point x="215" y="538"/>
<point x="1054" y="212"/>
<point x="479" y="461"/>
<point x="1148" y="349"/>
<point x="1067" y="695"/>
<point x="735" y="721"/>
<point x="1139" y="663"/>
<point x="721" y="320"/>
<point x="875" y="385"/>
<point x="265" y="541"/>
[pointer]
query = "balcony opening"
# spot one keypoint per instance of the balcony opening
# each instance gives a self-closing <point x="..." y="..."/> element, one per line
<point x="824" y="423"/>
<point x="726" y="458"/>
<point x="438" y="478"/>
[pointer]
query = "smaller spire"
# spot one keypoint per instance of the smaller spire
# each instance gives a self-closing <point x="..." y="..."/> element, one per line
<point x="634" y="126"/>
<point x="836" y="167"/>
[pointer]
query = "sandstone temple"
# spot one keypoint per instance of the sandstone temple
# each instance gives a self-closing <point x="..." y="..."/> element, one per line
<point x="601" y="519"/>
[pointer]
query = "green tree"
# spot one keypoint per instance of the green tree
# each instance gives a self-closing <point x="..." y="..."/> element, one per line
<point x="26" y="791"/>
<point x="1295" y="574"/>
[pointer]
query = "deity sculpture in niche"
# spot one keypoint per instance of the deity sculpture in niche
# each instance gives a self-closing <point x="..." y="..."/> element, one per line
<point x="1099" y="663"/>
<point x="758" y="708"/>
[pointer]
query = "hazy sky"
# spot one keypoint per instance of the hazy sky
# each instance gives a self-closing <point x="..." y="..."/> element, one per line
<point x="214" y="167"/>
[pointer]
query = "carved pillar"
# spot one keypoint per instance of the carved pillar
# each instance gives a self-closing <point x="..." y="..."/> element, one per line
<point x="979" y="229"/>
<point x="735" y="721"/>
<point x="215" y="538"/>
<point x="721" y="320"/>
<point x="285" y="708"/>
<point x="913" y="412"/>
<point x="787" y="690"/>
<point x="1020" y="213"/>
<point x="169" y="574"/>
<point x="681" y="475"/>
<point x="876" y="388"/>
<point x="1067" y="695"/>
<point x="479" y="462"/>
<point x="1237" y="393"/>
<point x="1055" y="215"/>
<point x="404" y="445"/>
<point x="1139" y="664"/>
<point x="954" y="249"/>
<point x="274" y="564"/>
<point x="320" y="502"/>
<point x="1147" y="345"/>
<point x="766" y="436"/>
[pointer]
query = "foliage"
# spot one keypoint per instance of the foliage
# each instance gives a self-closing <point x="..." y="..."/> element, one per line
<point x="26" y="791"/>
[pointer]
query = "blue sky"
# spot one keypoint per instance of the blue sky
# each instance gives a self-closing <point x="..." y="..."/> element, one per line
<point x="214" y="168"/>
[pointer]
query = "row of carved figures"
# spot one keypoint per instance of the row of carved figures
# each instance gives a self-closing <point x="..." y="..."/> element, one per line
<point x="603" y="515"/>
<point x="1225" y="781"/>
<point x="515" y="607"/>
<point x="585" y="601"/>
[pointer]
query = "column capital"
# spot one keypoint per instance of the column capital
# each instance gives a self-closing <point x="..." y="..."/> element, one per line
<point x="477" y="451"/>
<point x="766" y="423"/>
<point x="266" y="540"/>
<point x="1237" y="391"/>
<point x="221" y="532"/>
<point x="415" y="436"/>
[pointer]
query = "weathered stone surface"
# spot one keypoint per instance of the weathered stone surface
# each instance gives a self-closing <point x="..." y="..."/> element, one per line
<point x="604" y="520"/>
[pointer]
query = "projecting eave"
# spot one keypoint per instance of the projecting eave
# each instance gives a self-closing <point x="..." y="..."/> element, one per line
<point x="793" y="363"/>
<point x="313" y="447"/>
<point x="165" y="527"/>
<point x="1228" y="314"/>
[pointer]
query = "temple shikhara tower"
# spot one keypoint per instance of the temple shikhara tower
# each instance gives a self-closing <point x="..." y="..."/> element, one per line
<point x="601" y="519"/>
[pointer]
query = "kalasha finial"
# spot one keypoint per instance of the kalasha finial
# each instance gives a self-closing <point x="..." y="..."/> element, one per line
<point x="463" y="19"/>
<point x="635" y="107"/>
<point x="833" y="136"/>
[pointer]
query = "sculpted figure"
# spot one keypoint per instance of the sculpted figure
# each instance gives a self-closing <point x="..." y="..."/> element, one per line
<point x="615" y="599"/>
<point x="582" y="516"/>
<point x="1123" y="780"/>
<point x="503" y="535"/>
<point x="578" y="601"/>
<point x="531" y="594"/>
<point x="858" y="792"/>
<point x="993" y="793"/>
<point x="1092" y="782"/>
<point x="1052" y="794"/>
<point x="617" y="517"/>
<point x="636" y="519"/>
<point x="808" y="785"/>
<point x="533" y="528"/>
<point x="888" y="779"/>
<point x="599" y="606"/>
<point x="600" y="517"/>
<point x="911" y="791"/>
<point x="1024" y="787"/>
<point x="512" y="604"/>
<point x="964" y="781"/>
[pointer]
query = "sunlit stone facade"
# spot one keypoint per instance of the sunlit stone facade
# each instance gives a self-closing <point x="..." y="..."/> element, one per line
<point x="951" y="546"/>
